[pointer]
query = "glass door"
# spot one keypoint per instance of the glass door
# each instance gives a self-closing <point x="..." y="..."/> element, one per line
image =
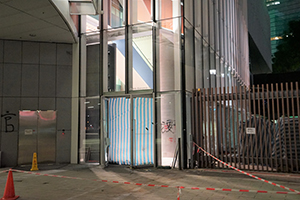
<point x="89" y="136"/>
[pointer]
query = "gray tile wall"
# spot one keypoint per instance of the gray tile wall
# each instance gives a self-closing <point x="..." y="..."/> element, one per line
<point x="1" y="51"/>
<point x="62" y="143"/>
<point x="30" y="80"/>
<point x="47" y="81"/>
<point x="1" y="74"/>
<point x="11" y="80"/>
<point x="35" y="76"/>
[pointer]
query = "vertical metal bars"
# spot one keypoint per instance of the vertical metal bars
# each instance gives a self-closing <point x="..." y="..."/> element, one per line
<point x="255" y="130"/>
<point x="289" y="128"/>
<point x="209" y="126"/>
<point x="205" y="99"/>
<point x="269" y="153"/>
<point x="273" y="118"/>
<point x="254" y="143"/>
<point x="298" y="115"/>
<point x="279" y="135"/>
<point x="225" y="124"/>
<point x="240" y="137"/>
<point x="216" y="124"/>
<point x="294" y="159"/>
<point x="284" y="135"/>
<point x="221" y="105"/>
<point x="229" y="104"/>
<point x="201" y="126"/>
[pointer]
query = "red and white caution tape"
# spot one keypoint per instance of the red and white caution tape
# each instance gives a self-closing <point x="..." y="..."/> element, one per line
<point x="179" y="192"/>
<point x="241" y="190"/>
<point x="261" y="179"/>
<point x="154" y="185"/>
<point x="98" y="180"/>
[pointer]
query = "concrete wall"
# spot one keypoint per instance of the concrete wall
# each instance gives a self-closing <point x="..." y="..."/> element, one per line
<point x="35" y="76"/>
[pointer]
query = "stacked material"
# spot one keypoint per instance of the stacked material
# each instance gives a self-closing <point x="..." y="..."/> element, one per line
<point x="257" y="144"/>
<point x="287" y="137"/>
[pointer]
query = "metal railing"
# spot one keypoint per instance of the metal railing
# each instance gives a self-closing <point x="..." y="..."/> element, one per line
<point x="256" y="129"/>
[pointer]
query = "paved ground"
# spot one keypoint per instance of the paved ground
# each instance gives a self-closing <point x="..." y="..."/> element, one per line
<point x="89" y="184"/>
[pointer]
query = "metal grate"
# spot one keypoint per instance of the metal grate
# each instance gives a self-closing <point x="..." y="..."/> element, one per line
<point x="256" y="129"/>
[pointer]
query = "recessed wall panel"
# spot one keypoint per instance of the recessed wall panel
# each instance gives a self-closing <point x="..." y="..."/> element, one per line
<point x="63" y="146"/>
<point x="63" y="108"/>
<point x="64" y="54"/>
<point x="12" y="80"/>
<point x="64" y="81"/>
<point x="12" y="52"/>
<point x="46" y="104"/>
<point x="47" y="81"/>
<point x="9" y="149"/>
<point x="29" y="103"/>
<point x="48" y="53"/>
<point x="1" y="51"/>
<point x="1" y="77"/>
<point x="30" y="52"/>
<point x="30" y="74"/>
<point x="1" y="113"/>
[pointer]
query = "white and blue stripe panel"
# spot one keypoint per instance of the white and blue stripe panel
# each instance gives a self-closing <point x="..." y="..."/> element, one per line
<point x="119" y="131"/>
<point x="143" y="131"/>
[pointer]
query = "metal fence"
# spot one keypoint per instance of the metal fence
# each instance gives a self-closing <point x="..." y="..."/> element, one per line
<point x="256" y="129"/>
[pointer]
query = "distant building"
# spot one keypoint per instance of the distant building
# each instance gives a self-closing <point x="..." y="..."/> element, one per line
<point x="281" y="12"/>
<point x="259" y="38"/>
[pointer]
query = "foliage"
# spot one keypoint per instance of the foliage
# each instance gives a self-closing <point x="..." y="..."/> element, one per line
<point x="287" y="57"/>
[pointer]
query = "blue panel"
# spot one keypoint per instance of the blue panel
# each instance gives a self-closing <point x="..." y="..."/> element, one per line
<point x="144" y="131"/>
<point x="119" y="131"/>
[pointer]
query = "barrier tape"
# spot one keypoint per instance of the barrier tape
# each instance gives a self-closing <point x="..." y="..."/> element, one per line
<point x="261" y="179"/>
<point x="154" y="185"/>
<point x="178" y="193"/>
<point x="98" y="180"/>
<point x="255" y="173"/>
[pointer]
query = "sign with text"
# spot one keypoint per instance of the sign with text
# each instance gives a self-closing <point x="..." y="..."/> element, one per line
<point x="250" y="130"/>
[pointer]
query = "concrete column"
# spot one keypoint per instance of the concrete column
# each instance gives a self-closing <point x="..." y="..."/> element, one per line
<point x="75" y="105"/>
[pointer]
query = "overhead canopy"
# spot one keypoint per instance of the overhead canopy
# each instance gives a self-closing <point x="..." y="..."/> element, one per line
<point x="36" y="20"/>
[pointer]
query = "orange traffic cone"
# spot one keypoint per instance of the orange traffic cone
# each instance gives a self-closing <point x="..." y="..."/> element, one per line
<point x="9" y="192"/>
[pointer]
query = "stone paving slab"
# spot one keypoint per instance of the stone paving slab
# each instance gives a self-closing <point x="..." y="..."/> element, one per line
<point x="40" y="187"/>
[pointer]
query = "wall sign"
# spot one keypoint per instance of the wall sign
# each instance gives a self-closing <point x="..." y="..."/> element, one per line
<point x="250" y="130"/>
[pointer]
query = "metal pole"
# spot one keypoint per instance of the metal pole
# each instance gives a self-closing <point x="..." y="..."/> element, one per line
<point x="131" y="132"/>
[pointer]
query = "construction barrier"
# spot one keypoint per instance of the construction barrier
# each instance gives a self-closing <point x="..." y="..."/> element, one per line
<point x="200" y="148"/>
<point x="179" y="188"/>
